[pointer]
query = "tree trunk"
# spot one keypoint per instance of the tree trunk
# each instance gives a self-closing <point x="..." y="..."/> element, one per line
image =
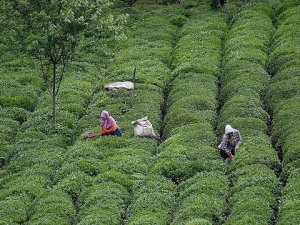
<point x="54" y="94"/>
<point x="134" y="75"/>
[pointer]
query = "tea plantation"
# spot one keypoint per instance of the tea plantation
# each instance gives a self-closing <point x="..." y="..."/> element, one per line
<point x="198" y="68"/>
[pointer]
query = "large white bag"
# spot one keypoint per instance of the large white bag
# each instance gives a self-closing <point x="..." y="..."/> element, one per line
<point x="143" y="128"/>
<point x="128" y="85"/>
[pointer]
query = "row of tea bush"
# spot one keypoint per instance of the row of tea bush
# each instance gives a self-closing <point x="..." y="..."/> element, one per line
<point x="188" y="155"/>
<point x="254" y="184"/>
<point x="283" y="99"/>
<point x="106" y="176"/>
<point x="40" y="145"/>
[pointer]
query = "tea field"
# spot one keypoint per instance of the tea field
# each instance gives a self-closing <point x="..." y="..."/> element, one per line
<point x="197" y="69"/>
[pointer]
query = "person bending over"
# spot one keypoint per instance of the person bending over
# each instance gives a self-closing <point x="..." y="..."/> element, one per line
<point x="108" y="125"/>
<point x="231" y="142"/>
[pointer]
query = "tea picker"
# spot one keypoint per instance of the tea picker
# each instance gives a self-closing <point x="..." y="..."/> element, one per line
<point x="231" y="142"/>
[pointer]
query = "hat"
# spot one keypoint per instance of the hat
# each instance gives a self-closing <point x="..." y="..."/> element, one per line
<point x="228" y="129"/>
<point x="104" y="114"/>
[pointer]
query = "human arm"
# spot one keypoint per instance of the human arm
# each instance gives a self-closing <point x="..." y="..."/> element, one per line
<point x="221" y="146"/>
<point x="239" y="139"/>
<point x="109" y="130"/>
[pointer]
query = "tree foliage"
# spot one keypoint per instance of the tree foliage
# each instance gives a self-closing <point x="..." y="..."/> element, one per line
<point x="50" y="31"/>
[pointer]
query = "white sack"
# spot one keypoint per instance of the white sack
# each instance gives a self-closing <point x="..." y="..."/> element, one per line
<point x="128" y="85"/>
<point x="143" y="128"/>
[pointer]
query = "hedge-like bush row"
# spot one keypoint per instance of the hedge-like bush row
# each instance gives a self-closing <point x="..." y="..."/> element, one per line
<point x="202" y="198"/>
<point x="154" y="198"/>
<point x="13" y="210"/>
<point x="149" y="46"/>
<point x="189" y="142"/>
<point x="52" y="207"/>
<point x="283" y="101"/>
<point x="254" y="183"/>
<point x="19" y="93"/>
<point x="290" y="200"/>
<point x="243" y="80"/>
<point x="20" y="90"/>
<point x="153" y="201"/>
<point x="42" y="143"/>
<point x="108" y="168"/>
<point x="103" y="203"/>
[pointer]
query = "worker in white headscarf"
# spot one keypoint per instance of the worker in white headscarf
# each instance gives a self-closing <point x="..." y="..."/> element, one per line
<point x="231" y="142"/>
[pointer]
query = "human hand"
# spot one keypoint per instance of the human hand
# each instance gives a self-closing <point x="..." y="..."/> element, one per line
<point x="229" y="159"/>
<point x="102" y="132"/>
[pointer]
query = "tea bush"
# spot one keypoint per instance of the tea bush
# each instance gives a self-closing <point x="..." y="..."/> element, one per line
<point x="40" y="144"/>
<point x="256" y="153"/>
<point x="181" y="117"/>
<point x="199" y="206"/>
<point x="254" y="211"/>
<point x="199" y="133"/>
<point x="205" y="101"/>
<point x="286" y="73"/>
<point x="15" y="113"/>
<point x="14" y="209"/>
<point x="282" y="98"/>
<point x="20" y="90"/>
<point x="241" y="86"/>
<point x="73" y="183"/>
<point x="184" y="81"/>
<point x="254" y="175"/>
<point x="202" y="196"/>
<point x="130" y="161"/>
<point x="284" y="6"/>
<point x="245" y="107"/>
<point x="282" y="90"/>
<point x="290" y="200"/>
<point x="252" y="193"/>
<point x="211" y="183"/>
<point x="244" y="69"/>
<point x="37" y="155"/>
<point x="29" y="188"/>
<point x="246" y="58"/>
<point x="126" y="180"/>
<point x="122" y="163"/>
<point x="52" y="202"/>
<point x="198" y="222"/>
<point x="290" y="16"/>
<point x="188" y="125"/>
<point x="108" y="198"/>
<point x="49" y="219"/>
<point x="152" y="202"/>
<point x="290" y="147"/>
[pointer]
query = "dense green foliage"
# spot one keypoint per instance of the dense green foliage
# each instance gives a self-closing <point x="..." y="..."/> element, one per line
<point x="51" y="32"/>
<point x="254" y="183"/>
<point x="197" y="69"/>
<point x="283" y="100"/>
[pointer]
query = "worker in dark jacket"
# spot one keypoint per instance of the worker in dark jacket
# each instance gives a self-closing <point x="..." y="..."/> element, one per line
<point x="108" y="125"/>
<point x="231" y="142"/>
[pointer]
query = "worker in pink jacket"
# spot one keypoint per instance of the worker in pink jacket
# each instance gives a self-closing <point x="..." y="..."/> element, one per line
<point x="108" y="125"/>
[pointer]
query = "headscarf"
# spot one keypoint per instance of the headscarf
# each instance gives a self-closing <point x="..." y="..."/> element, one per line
<point x="229" y="129"/>
<point x="106" y="121"/>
